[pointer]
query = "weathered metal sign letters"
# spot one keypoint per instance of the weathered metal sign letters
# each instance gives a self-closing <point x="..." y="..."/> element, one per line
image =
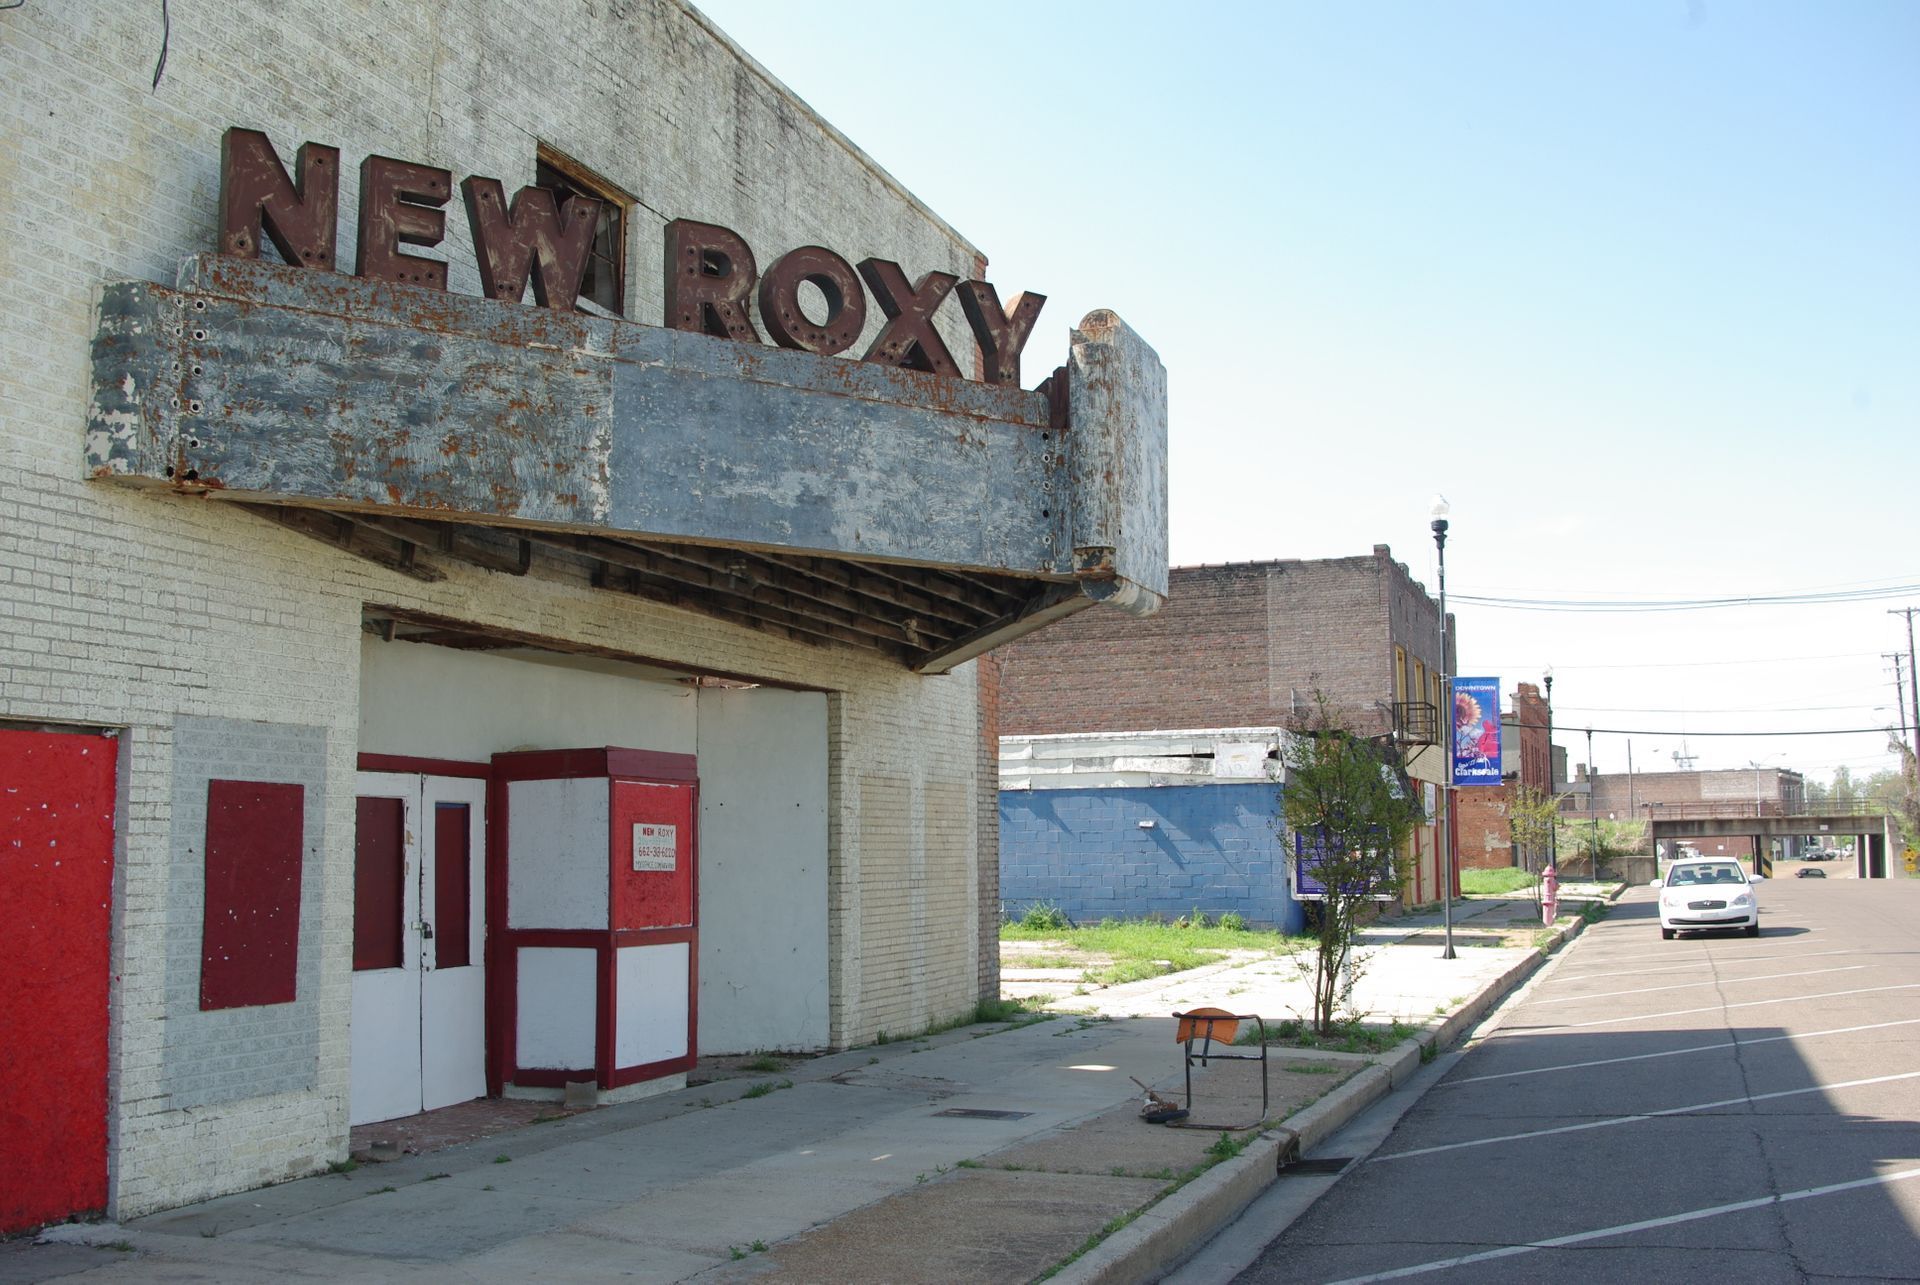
<point x="709" y="270"/>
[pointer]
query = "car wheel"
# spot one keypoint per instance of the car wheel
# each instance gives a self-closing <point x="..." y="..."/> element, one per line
<point x="1666" y="934"/>
<point x="1752" y="930"/>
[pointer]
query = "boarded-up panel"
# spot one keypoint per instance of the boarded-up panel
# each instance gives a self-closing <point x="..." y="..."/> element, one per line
<point x="56" y="880"/>
<point x="652" y="855"/>
<point x="452" y="886"/>
<point x="379" y="864"/>
<point x="250" y="942"/>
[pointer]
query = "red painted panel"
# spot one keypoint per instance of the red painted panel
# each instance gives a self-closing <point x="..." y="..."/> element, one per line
<point x="379" y="895"/>
<point x="409" y="764"/>
<point x="56" y="880"/>
<point x="250" y="943"/>
<point x="452" y="885"/>
<point x="652" y="830"/>
<point x="531" y="765"/>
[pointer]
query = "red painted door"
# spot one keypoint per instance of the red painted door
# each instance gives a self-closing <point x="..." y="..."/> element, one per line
<point x="56" y="882"/>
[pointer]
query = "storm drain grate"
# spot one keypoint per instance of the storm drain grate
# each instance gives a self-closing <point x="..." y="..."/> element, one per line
<point x="977" y="1113"/>
<point x="1317" y="1165"/>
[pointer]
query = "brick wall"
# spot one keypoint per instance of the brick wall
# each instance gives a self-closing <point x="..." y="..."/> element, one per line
<point x="1214" y="847"/>
<point x="989" y="832"/>
<point x="138" y="610"/>
<point x="1240" y="645"/>
<point x="1485" y="833"/>
<point x="1527" y="723"/>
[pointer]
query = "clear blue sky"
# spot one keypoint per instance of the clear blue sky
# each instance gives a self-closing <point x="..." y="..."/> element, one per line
<point x="1637" y="285"/>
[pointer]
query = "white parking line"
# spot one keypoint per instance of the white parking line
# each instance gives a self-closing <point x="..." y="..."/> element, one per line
<point x="1735" y="1043"/>
<point x="1711" y="981"/>
<point x="1714" y="1008"/>
<point x="1613" y="1121"/>
<point x="1627" y="1229"/>
<point x="1704" y="963"/>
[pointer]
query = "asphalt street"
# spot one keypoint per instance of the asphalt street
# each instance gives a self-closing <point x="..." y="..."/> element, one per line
<point x="1710" y="1108"/>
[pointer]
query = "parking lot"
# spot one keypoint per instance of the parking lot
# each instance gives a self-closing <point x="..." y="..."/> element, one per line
<point x="1713" y="1107"/>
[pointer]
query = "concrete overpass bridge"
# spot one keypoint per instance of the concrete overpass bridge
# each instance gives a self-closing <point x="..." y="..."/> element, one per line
<point x="1876" y="853"/>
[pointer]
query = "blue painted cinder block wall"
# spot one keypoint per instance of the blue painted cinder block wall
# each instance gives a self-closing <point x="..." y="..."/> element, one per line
<point x="1084" y="850"/>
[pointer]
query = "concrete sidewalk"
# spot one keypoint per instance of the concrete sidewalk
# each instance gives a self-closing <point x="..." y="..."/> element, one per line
<point x="986" y="1153"/>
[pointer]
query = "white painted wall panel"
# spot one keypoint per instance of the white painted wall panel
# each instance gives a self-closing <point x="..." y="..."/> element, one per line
<point x="557" y="853"/>
<point x="559" y="989"/>
<point x="436" y="702"/>
<point x="763" y="870"/>
<point x="650" y="1020"/>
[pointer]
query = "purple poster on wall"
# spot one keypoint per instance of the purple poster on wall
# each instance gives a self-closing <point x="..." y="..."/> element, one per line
<point x="1476" y="731"/>
<point x="1308" y="856"/>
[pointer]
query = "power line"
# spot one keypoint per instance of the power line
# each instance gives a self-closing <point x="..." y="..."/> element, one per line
<point x="1705" y="713"/>
<point x="1690" y="664"/>
<point x="1691" y="732"/>
<point x="1810" y="598"/>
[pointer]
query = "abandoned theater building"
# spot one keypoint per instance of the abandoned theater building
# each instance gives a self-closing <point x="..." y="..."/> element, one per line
<point x="505" y="507"/>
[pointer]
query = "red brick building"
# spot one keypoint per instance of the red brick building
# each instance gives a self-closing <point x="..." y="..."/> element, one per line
<point x="1485" y="833"/>
<point x="1250" y="644"/>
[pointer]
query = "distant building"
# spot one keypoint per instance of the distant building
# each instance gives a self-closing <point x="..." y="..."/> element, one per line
<point x="1238" y="646"/>
<point x="1646" y="796"/>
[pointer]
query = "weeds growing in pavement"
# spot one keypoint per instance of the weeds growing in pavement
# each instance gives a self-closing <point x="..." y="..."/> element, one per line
<point x="765" y="1087"/>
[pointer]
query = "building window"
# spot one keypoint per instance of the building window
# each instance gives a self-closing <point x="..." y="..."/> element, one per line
<point x="1399" y="674"/>
<point x="603" y="288"/>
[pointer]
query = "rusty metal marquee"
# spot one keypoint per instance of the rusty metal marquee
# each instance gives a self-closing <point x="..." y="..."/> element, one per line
<point x="821" y="499"/>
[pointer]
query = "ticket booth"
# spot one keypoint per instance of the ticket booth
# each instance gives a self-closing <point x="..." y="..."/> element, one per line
<point x="595" y="869"/>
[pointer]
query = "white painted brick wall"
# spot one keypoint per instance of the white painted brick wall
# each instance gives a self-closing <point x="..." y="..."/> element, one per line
<point x="129" y="610"/>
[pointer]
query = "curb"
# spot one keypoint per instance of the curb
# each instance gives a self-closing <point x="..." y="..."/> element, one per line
<point x="1165" y="1234"/>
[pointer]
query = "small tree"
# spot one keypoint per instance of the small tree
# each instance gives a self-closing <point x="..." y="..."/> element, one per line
<point x="1530" y="817"/>
<point x="1349" y="800"/>
<point x="1897" y="793"/>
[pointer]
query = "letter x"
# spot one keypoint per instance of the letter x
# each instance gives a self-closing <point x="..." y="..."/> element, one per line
<point x="909" y="339"/>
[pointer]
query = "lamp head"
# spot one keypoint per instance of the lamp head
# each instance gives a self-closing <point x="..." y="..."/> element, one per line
<point x="1438" y="512"/>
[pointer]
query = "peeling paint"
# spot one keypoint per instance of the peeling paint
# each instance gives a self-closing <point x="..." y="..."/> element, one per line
<point x="313" y="388"/>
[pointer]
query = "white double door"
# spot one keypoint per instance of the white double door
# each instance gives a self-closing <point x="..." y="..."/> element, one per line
<point x="419" y="981"/>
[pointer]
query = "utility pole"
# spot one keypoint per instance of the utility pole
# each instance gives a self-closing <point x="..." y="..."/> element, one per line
<point x="1593" y="814"/>
<point x="1913" y="689"/>
<point x="1552" y="786"/>
<point x="1899" y="691"/>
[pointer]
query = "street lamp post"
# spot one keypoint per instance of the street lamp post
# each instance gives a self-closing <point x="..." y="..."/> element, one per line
<point x="1438" y="513"/>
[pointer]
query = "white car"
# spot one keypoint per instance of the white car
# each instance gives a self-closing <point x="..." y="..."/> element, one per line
<point x="1708" y="893"/>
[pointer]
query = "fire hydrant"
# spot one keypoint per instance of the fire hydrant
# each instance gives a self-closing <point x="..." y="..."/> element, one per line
<point x="1549" y="895"/>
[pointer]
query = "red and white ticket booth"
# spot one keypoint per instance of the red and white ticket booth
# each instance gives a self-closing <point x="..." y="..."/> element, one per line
<point x="593" y="892"/>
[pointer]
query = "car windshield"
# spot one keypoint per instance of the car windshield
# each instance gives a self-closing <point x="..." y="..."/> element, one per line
<point x="1721" y="872"/>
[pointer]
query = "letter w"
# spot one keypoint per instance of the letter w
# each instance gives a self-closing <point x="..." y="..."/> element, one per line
<point x="533" y="238"/>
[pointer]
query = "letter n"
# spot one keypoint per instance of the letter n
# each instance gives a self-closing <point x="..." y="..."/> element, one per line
<point x="298" y="214"/>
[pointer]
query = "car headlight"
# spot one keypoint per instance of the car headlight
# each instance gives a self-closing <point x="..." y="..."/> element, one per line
<point x="1743" y="899"/>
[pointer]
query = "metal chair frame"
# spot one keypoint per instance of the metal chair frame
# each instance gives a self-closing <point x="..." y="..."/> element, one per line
<point x="1199" y="1026"/>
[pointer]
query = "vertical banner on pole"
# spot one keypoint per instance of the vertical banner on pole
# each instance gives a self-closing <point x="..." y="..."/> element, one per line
<point x="1476" y="731"/>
